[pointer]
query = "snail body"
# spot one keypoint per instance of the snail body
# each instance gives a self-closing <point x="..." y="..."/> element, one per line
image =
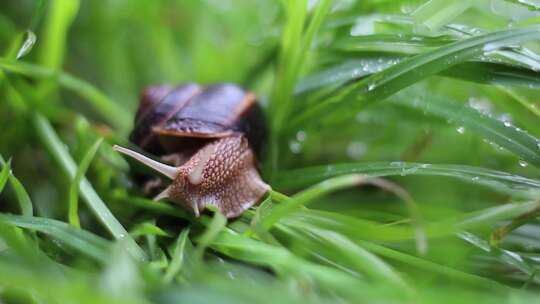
<point x="212" y="135"/>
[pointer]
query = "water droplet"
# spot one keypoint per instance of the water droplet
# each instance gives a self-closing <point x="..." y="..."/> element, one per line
<point x="355" y="150"/>
<point x="461" y="130"/>
<point x="396" y="164"/>
<point x="523" y="163"/>
<point x="301" y="136"/>
<point x="295" y="146"/>
<point x="482" y="105"/>
<point x="490" y="47"/>
<point x="506" y="119"/>
<point x="476" y="178"/>
<point x="371" y="86"/>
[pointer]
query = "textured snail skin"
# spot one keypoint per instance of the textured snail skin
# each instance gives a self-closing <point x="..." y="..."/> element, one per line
<point x="222" y="174"/>
<point x="214" y="133"/>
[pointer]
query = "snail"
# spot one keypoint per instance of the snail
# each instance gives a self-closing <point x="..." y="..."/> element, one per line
<point x="213" y="136"/>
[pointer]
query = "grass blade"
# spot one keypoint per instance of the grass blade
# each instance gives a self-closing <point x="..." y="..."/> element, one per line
<point x="504" y="256"/>
<point x="114" y="114"/>
<point x="55" y="147"/>
<point x="293" y="52"/>
<point x="81" y="240"/>
<point x="60" y="16"/>
<point x="283" y="262"/>
<point x="515" y="140"/>
<point x="361" y="229"/>
<point x="4" y="174"/>
<point x="475" y="71"/>
<point x="216" y="225"/>
<point x="304" y="197"/>
<point x="177" y="257"/>
<point x="153" y="206"/>
<point x="496" y="180"/>
<point x="338" y="248"/>
<point x="409" y="71"/>
<point x="27" y="45"/>
<point x="430" y="266"/>
<point x="147" y="228"/>
<point x="73" y="209"/>
<point x="25" y="203"/>
<point x="435" y="13"/>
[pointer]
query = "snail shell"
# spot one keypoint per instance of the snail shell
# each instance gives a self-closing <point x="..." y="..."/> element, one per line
<point x="213" y="134"/>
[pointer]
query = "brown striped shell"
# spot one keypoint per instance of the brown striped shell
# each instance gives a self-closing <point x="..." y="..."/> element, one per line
<point x="212" y="135"/>
<point x="189" y="113"/>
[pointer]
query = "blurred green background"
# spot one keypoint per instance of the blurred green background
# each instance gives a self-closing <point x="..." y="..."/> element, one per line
<point x="440" y="98"/>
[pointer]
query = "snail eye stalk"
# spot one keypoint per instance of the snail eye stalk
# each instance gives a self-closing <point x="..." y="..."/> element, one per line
<point x="169" y="171"/>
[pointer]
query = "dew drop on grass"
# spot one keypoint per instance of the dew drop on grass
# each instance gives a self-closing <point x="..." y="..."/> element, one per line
<point x="356" y="149"/>
<point x="301" y="136"/>
<point x="523" y="163"/>
<point x="506" y="119"/>
<point x="460" y="129"/>
<point x="371" y="86"/>
<point x="396" y="164"/>
<point x="474" y="179"/>
<point x="482" y="105"/>
<point x="490" y="47"/>
<point x="295" y="146"/>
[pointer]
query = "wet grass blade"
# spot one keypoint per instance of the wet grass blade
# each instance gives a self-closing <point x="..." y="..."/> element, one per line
<point x="383" y="43"/>
<point x="407" y="72"/>
<point x="495" y="73"/>
<point x="507" y="257"/>
<point x="474" y="71"/>
<point x="496" y="180"/>
<point x="293" y="52"/>
<point x="435" y="13"/>
<point x="515" y="140"/>
<point x="73" y="209"/>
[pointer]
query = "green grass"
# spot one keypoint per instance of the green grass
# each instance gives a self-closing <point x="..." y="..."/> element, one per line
<point x="404" y="153"/>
